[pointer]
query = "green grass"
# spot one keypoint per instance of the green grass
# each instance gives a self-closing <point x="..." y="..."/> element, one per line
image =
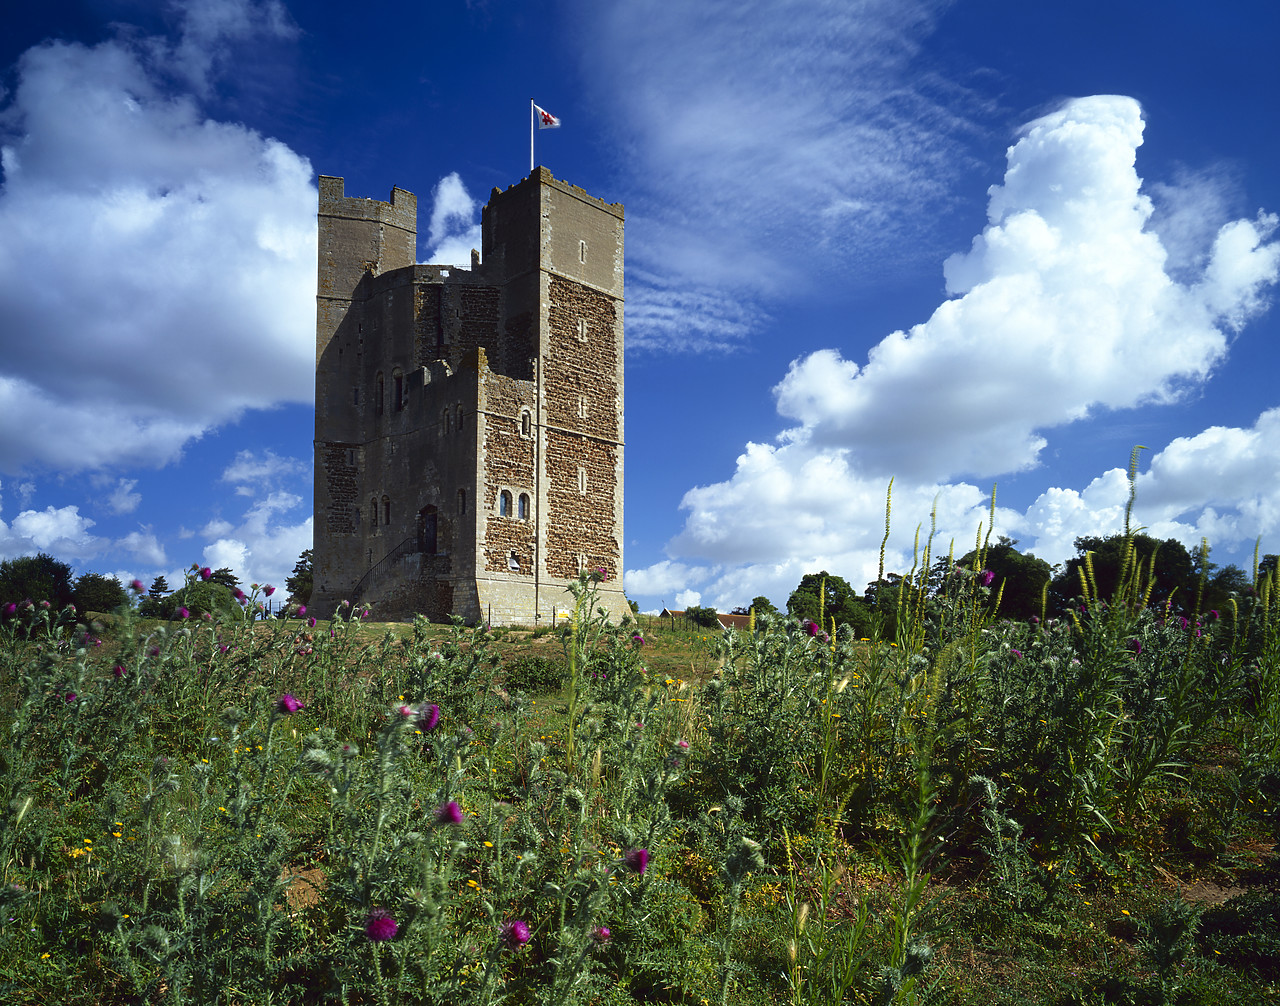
<point x="814" y="811"/>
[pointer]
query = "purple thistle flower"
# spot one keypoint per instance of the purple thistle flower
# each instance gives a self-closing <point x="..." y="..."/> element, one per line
<point x="71" y="697"/>
<point x="311" y="622"/>
<point x="239" y="595"/>
<point x="430" y="717"/>
<point x="118" y="670"/>
<point x="449" y="813"/>
<point x="985" y="577"/>
<point x="1136" y="646"/>
<point x="636" y="860"/>
<point x="205" y="572"/>
<point x="154" y="651"/>
<point x="288" y="704"/>
<point x="268" y="590"/>
<point x="601" y="934"/>
<point x="10" y="609"/>
<point x="302" y="610"/>
<point x="138" y="587"/>
<point x="515" y="934"/>
<point x="812" y="628"/>
<point x="183" y="613"/>
<point x="1214" y="614"/>
<point x="379" y="926"/>
<point x="1017" y="653"/>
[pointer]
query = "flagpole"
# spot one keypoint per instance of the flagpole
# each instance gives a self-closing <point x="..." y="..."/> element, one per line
<point x="531" y="118"/>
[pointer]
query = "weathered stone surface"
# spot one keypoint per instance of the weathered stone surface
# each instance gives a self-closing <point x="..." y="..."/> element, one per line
<point x="441" y="391"/>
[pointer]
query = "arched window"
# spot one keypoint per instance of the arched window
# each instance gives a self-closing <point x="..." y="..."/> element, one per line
<point x="373" y="511"/>
<point x="444" y="420"/>
<point x="378" y="404"/>
<point x="504" y="504"/>
<point x="523" y="512"/>
<point x="462" y="501"/>
<point x="386" y="509"/>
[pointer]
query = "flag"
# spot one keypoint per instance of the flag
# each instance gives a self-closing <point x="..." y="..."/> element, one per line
<point x="545" y="119"/>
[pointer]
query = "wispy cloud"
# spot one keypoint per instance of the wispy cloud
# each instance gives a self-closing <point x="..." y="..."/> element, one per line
<point x="767" y="144"/>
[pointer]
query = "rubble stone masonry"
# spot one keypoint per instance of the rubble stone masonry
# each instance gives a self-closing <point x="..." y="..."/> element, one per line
<point x="469" y="448"/>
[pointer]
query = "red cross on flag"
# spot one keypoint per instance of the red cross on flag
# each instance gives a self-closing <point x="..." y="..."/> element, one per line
<point x="545" y="119"/>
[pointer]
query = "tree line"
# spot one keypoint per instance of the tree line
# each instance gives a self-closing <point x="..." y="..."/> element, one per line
<point x="43" y="579"/>
<point x="1023" y="586"/>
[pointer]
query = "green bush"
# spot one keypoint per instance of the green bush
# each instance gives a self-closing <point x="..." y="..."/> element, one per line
<point x="535" y="675"/>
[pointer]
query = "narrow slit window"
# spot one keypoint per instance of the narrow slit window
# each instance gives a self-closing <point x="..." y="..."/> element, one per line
<point x="504" y="504"/>
<point x="373" y="511"/>
<point x="526" y="424"/>
<point x="381" y="392"/>
<point x="582" y="406"/>
<point x="462" y="501"/>
<point x="524" y="506"/>
<point x="399" y="392"/>
<point x="386" y="509"/>
<point x="582" y="480"/>
<point x="582" y="252"/>
<point x="458" y="413"/>
<point x="582" y="329"/>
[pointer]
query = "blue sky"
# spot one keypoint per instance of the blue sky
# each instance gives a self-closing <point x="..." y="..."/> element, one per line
<point x="955" y="244"/>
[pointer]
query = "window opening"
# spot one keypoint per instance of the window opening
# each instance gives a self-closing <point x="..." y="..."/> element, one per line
<point x="526" y="424"/>
<point x="386" y="509"/>
<point x="504" y="504"/>
<point x="513" y="561"/>
<point x="462" y="501"/>
<point x="582" y="480"/>
<point x="399" y="379"/>
<point x="427" y="530"/>
<point x="582" y="406"/>
<point x="460" y="423"/>
<point x="524" y="506"/>
<point x="382" y="391"/>
<point x="582" y="252"/>
<point x="582" y="329"/>
<point x="373" y="511"/>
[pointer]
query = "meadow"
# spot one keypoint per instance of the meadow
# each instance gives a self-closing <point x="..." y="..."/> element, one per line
<point x="1073" y="810"/>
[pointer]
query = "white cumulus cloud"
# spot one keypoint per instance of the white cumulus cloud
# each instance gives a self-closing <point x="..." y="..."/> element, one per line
<point x="454" y="230"/>
<point x="1062" y="307"/>
<point x="184" y="249"/>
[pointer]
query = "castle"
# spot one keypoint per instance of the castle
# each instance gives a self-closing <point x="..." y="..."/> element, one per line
<point x="468" y="448"/>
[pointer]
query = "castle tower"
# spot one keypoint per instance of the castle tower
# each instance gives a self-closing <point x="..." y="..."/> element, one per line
<point x="469" y="422"/>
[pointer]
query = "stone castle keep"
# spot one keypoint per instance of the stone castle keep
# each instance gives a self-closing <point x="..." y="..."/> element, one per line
<point x="468" y="450"/>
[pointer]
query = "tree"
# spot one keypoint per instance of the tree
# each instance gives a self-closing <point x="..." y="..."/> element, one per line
<point x="1167" y="562"/>
<point x="159" y="587"/>
<point x="95" y="592"/>
<point x="839" y="601"/>
<point x="298" y="584"/>
<point x="226" y="577"/>
<point x="200" y="597"/>
<point x="37" y="578"/>
<point x="705" y="617"/>
<point x="763" y="606"/>
<point x="1019" y="579"/>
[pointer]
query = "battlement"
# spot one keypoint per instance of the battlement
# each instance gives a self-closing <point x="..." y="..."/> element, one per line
<point x="401" y="211"/>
